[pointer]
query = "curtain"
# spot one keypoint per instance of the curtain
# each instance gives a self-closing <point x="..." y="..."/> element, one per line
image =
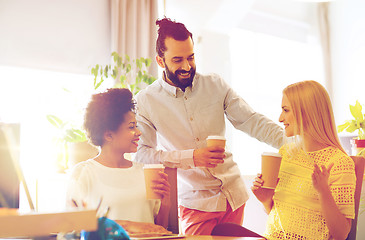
<point x="133" y="29"/>
<point x="325" y="36"/>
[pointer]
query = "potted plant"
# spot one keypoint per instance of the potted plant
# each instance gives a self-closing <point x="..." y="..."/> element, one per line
<point x="125" y="73"/>
<point x="69" y="135"/>
<point x="122" y="73"/>
<point x="358" y="144"/>
<point x="358" y="123"/>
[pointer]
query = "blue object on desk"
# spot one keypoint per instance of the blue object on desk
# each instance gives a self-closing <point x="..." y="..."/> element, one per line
<point x="107" y="230"/>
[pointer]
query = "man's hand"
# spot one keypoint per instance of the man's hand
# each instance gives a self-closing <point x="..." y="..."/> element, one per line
<point x="208" y="157"/>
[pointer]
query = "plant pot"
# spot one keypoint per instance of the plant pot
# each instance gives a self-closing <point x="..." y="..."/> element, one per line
<point x="357" y="146"/>
<point x="80" y="151"/>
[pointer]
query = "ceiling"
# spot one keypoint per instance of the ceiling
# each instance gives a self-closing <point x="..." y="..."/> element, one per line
<point x="225" y="14"/>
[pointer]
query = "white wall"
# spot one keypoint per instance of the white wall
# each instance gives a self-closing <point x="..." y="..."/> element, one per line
<point x="347" y="21"/>
<point x="61" y="35"/>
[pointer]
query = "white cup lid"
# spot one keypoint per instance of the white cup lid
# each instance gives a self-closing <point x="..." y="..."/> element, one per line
<point x="271" y="154"/>
<point x="216" y="137"/>
<point x="153" y="166"/>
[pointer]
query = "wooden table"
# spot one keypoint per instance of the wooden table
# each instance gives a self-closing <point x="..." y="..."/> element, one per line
<point x="197" y="237"/>
<point x="201" y="237"/>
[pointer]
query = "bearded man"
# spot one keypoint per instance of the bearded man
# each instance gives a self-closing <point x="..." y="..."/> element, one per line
<point x="177" y="113"/>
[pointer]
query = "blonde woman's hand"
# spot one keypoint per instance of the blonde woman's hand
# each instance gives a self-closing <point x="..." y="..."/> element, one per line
<point x="257" y="183"/>
<point x="320" y="177"/>
<point x="262" y="194"/>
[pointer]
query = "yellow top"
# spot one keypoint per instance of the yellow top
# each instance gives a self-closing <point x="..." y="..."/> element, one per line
<point x="296" y="212"/>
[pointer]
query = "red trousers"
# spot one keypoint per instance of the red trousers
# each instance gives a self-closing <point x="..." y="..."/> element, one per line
<point x="195" y="222"/>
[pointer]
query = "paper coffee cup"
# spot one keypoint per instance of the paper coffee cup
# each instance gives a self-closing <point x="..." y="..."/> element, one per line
<point x="270" y="166"/>
<point x="216" y="141"/>
<point x="151" y="172"/>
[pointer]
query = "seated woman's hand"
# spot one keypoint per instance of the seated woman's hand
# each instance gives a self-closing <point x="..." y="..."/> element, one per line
<point x="162" y="187"/>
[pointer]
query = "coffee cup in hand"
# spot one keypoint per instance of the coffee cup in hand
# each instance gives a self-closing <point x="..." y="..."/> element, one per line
<point x="270" y="166"/>
<point x="151" y="173"/>
<point x="216" y="141"/>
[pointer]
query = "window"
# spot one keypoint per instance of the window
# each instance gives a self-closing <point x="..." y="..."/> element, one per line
<point x="27" y="96"/>
<point x="262" y="66"/>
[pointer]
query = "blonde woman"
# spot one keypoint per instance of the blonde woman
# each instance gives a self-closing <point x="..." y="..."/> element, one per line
<point x="314" y="198"/>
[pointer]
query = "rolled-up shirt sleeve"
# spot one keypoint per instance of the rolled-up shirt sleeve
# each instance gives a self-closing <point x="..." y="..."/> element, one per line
<point x="255" y="124"/>
<point x="148" y="149"/>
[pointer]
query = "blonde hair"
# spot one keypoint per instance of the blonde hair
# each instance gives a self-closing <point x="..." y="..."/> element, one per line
<point x="312" y="110"/>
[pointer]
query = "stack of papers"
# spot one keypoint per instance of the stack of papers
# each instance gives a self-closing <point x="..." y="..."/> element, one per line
<point x="151" y="236"/>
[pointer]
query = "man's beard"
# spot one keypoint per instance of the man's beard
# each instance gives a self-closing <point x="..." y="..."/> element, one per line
<point x="183" y="82"/>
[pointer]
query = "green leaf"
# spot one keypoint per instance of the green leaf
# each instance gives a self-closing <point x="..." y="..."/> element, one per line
<point x="94" y="82"/>
<point x="93" y="71"/>
<point x="106" y="69"/>
<point x="122" y="79"/>
<point x="115" y="54"/>
<point x="342" y="127"/>
<point x="115" y="72"/>
<point x="139" y="63"/>
<point x="352" y="126"/>
<point x="99" y="83"/>
<point x="144" y="77"/>
<point x="119" y="61"/>
<point x="362" y="124"/>
<point x="151" y="79"/>
<point x="127" y="58"/>
<point x="356" y="111"/>
<point x="128" y="68"/>
<point x="75" y="135"/>
<point x="148" y="62"/>
<point x="55" y="121"/>
<point x="139" y="74"/>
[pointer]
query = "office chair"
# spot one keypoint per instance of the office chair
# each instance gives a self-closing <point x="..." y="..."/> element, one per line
<point x="233" y="230"/>
<point x="359" y="171"/>
<point x="173" y="223"/>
